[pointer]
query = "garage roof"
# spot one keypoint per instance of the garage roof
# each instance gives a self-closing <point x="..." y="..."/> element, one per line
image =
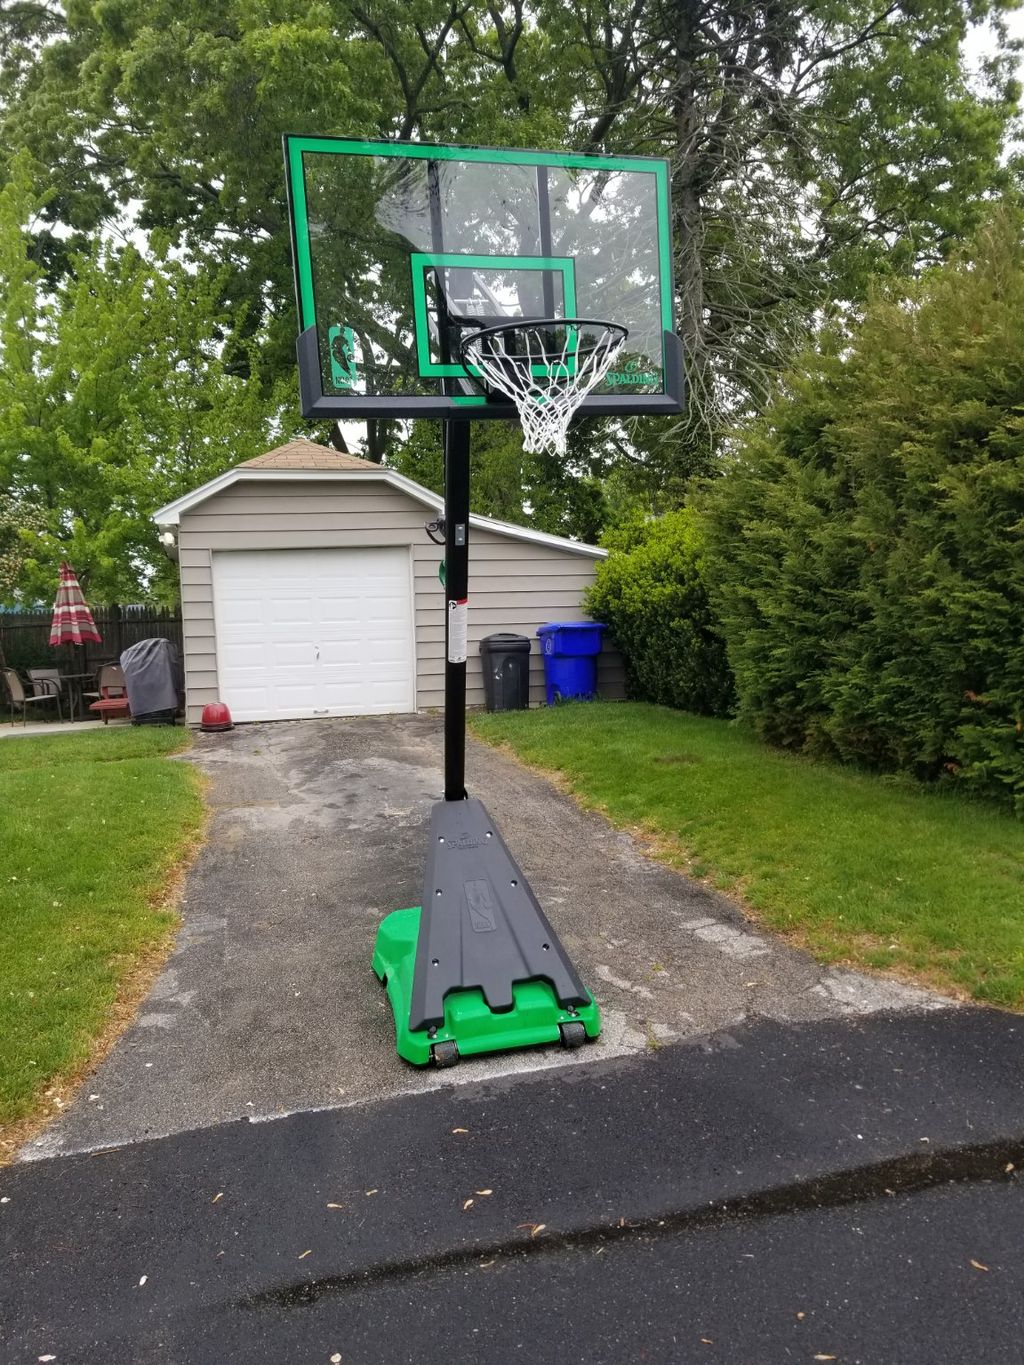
<point x="302" y="460"/>
<point x="303" y="454"/>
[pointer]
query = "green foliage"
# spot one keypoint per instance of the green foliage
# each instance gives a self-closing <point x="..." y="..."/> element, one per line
<point x="813" y="145"/>
<point x="20" y="519"/>
<point x="497" y="465"/>
<point x="563" y="495"/>
<point x="859" y="868"/>
<point x="650" y="591"/>
<point x="114" y="399"/>
<point x="79" y="909"/>
<point x="866" y="546"/>
<point x="179" y="106"/>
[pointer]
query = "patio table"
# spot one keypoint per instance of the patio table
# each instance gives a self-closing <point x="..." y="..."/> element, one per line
<point x="74" y="685"/>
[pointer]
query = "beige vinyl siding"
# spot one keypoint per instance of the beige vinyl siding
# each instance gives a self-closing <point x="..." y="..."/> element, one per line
<point x="200" y="642"/>
<point x="515" y="585"/>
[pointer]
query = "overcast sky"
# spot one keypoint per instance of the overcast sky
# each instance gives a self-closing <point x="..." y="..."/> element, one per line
<point x="980" y="39"/>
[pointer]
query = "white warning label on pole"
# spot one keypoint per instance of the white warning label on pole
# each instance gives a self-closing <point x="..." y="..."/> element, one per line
<point x="458" y="625"/>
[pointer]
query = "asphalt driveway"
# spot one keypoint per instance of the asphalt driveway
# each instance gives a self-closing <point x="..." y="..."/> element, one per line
<point x="842" y="1190"/>
<point x="268" y="1005"/>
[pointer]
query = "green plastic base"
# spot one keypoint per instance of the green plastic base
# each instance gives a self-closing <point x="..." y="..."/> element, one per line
<point x="533" y="1019"/>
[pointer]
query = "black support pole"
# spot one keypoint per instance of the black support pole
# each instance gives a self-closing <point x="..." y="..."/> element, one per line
<point x="456" y="560"/>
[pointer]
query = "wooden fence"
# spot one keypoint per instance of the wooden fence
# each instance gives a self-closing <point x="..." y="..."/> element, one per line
<point x="25" y="637"/>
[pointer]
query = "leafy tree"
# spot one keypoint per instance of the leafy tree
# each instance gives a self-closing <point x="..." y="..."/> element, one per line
<point x="179" y="108"/>
<point x="19" y="519"/>
<point x="865" y="547"/>
<point x="812" y="145"/>
<point x="561" y="495"/>
<point x="113" y="400"/>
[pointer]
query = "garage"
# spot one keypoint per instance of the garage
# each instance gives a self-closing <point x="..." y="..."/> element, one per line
<point x="324" y="632"/>
<point x="310" y="587"/>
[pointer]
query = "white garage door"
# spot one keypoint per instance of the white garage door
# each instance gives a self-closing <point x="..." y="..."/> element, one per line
<point x="314" y="632"/>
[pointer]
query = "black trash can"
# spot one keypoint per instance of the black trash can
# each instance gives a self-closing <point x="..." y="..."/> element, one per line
<point x="506" y="664"/>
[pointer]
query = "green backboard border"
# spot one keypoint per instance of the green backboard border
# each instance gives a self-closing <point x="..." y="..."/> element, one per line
<point x="422" y="261"/>
<point x="317" y="404"/>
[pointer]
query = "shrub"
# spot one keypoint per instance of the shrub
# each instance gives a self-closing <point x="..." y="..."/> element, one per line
<point x="650" y="592"/>
<point x="866" y="546"/>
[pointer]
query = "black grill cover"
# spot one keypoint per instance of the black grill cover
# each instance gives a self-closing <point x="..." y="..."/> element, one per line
<point x="151" y="676"/>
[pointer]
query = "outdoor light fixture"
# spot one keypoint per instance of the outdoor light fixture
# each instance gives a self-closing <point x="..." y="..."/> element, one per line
<point x="169" y="544"/>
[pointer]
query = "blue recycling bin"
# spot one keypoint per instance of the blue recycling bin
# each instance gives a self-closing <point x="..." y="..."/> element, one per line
<point x="570" y="650"/>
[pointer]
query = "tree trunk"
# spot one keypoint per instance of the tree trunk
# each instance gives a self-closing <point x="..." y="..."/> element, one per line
<point x="376" y="440"/>
<point x="337" y="439"/>
<point x="687" y="227"/>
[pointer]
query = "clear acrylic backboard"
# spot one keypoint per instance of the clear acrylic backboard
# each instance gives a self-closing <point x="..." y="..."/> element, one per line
<point x="398" y="248"/>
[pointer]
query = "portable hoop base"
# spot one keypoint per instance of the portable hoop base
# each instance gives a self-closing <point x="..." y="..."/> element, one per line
<point x="481" y="969"/>
<point x="470" y="1027"/>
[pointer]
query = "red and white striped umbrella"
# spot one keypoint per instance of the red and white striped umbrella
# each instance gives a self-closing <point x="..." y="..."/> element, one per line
<point x="72" y="619"/>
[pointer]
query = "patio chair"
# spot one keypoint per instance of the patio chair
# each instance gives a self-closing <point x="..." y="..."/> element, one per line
<point x="18" y="698"/>
<point x="91" y="692"/>
<point x="113" y="699"/>
<point x="40" y="678"/>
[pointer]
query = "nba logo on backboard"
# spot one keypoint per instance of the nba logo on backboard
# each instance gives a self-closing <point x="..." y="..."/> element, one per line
<point x="342" y="344"/>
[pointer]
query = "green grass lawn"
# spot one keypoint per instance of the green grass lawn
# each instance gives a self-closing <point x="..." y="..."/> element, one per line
<point x="876" y="871"/>
<point x="93" y="826"/>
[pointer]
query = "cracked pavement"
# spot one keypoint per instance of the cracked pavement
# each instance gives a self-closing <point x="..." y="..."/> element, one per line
<point x="268" y="1005"/>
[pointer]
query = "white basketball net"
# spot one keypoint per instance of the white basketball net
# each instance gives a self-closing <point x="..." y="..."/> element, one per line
<point x="546" y="385"/>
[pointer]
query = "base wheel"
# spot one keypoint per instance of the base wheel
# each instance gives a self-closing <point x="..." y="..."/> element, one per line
<point x="572" y="1034"/>
<point x="445" y="1054"/>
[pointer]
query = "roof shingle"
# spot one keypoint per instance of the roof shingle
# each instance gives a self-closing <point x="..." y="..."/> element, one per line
<point x="302" y="454"/>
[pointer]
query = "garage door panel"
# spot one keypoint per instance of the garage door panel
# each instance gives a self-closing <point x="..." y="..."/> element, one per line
<point x="384" y="651"/>
<point x="299" y="700"/>
<point x="280" y="702"/>
<point x="246" y="657"/>
<point x="292" y="654"/>
<point x="245" y="611"/>
<point x="248" y="698"/>
<point x="314" y="632"/>
<point x="290" y="606"/>
<point x="389" y="591"/>
<point x="357" y="653"/>
<point x="344" y="615"/>
<point x="281" y="681"/>
<point x="352" y="698"/>
<point x="344" y="653"/>
<point x="294" y="613"/>
<point x="346" y="698"/>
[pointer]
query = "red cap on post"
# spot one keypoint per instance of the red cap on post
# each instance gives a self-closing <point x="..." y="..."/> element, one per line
<point x="216" y="716"/>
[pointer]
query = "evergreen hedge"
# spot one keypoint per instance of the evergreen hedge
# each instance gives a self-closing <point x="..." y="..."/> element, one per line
<point x="866" y="545"/>
<point x="650" y="591"/>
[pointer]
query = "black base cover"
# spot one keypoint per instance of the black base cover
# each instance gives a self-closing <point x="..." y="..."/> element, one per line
<point x="480" y="924"/>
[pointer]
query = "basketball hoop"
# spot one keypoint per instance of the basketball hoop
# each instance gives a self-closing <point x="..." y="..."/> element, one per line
<point x="546" y="367"/>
